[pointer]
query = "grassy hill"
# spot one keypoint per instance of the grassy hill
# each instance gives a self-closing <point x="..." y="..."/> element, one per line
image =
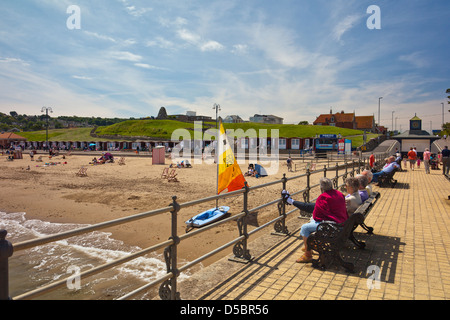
<point x="163" y="129"/>
<point x="150" y="128"/>
<point x="77" y="134"/>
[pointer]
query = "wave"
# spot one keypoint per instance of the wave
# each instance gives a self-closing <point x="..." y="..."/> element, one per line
<point x="43" y="264"/>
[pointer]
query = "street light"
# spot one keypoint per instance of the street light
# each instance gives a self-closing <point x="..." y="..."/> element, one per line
<point x="46" y="110"/>
<point x="443" y="122"/>
<point x="379" y="104"/>
<point x="393" y="121"/>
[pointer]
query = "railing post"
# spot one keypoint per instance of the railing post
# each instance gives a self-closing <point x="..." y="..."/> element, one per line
<point x="336" y="179"/>
<point x="352" y="173"/>
<point x="240" y="251"/>
<point x="280" y="226"/>
<point x="306" y="194"/>
<point x="168" y="290"/>
<point x="6" y="251"/>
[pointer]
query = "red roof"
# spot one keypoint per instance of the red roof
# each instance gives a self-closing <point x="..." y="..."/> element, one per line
<point x="338" y="118"/>
<point x="11" y="136"/>
<point x="365" y="122"/>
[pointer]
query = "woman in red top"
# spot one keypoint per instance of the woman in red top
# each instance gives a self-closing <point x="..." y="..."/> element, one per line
<point x="329" y="206"/>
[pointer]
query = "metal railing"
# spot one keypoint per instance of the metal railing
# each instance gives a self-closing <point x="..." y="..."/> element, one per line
<point x="168" y="287"/>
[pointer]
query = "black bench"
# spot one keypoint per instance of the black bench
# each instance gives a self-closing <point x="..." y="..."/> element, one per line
<point x="387" y="179"/>
<point x="365" y="209"/>
<point x="330" y="238"/>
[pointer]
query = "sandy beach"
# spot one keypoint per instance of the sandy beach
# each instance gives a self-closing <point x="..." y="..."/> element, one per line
<point x="56" y="194"/>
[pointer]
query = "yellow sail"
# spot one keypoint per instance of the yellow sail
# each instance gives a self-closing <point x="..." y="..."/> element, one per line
<point x="229" y="173"/>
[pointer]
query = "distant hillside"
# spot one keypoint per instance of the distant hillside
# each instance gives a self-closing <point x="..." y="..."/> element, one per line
<point x="158" y="129"/>
<point x="22" y="122"/>
<point x="163" y="129"/>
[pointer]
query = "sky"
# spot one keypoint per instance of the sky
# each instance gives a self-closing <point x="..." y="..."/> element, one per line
<point x="295" y="59"/>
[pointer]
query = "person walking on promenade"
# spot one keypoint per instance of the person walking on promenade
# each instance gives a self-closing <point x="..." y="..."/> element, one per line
<point x="445" y="160"/>
<point x="412" y="156"/>
<point x="371" y="160"/>
<point x="426" y="160"/>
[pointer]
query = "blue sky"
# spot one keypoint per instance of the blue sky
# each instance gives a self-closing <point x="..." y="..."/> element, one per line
<point x="292" y="58"/>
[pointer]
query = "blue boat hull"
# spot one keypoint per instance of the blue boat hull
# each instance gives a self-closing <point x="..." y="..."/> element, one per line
<point x="207" y="217"/>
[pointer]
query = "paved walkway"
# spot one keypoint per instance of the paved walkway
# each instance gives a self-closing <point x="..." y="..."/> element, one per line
<point x="410" y="249"/>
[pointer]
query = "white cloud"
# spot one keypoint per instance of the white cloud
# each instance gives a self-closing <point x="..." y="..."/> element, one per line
<point x="14" y="60"/>
<point x="99" y="36"/>
<point x="196" y="40"/>
<point x="344" y="26"/>
<point x="125" y="55"/>
<point x="161" y="43"/>
<point x="189" y="36"/>
<point x="240" y="49"/>
<point x="211" y="46"/>
<point x="416" y="59"/>
<point x="137" y="12"/>
<point x="28" y="91"/>
<point x="81" y="77"/>
<point x="147" y="66"/>
<point x="279" y="45"/>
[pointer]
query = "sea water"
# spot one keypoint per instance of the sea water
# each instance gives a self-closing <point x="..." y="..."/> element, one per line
<point x="33" y="268"/>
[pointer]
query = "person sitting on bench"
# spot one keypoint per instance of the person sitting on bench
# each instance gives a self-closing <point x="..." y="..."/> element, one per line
<point x="329" y="206"/>
<point x="369" y="175"/>
<point x="388" y="168"/>
<point x="363" y="183"/>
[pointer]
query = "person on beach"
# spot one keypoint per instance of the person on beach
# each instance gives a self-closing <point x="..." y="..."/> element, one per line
<point x="289" y="163"/>
<point x="412" y="157"/>
<point x="329" y="206"/>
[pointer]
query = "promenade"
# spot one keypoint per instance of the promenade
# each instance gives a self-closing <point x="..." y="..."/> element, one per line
<point x="409" y="252"/>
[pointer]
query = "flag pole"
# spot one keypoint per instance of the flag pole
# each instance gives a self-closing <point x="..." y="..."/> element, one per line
<point x="217" y="107"/>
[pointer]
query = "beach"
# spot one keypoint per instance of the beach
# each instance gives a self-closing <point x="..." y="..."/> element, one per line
<point x="54" y="193"/>
<point x="51" y="192"/>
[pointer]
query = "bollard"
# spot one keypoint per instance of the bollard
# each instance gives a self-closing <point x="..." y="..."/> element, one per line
<point x="6" y="251"/>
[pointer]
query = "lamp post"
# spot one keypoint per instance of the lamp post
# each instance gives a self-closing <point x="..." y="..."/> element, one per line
<point x="443" y="122"/>
<point x="379" y="105"/>
<point x="393" y="121"/>
<point x="46" y="110"/>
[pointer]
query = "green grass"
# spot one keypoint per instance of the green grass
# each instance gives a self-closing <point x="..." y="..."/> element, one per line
<point x="163" y="129"/>
<point x="291" y="130"/>
<point x="77" y="134"/>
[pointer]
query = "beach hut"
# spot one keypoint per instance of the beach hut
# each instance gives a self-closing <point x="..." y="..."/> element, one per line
<point x="159" y="155"/>
<point x="8" y="138"/>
